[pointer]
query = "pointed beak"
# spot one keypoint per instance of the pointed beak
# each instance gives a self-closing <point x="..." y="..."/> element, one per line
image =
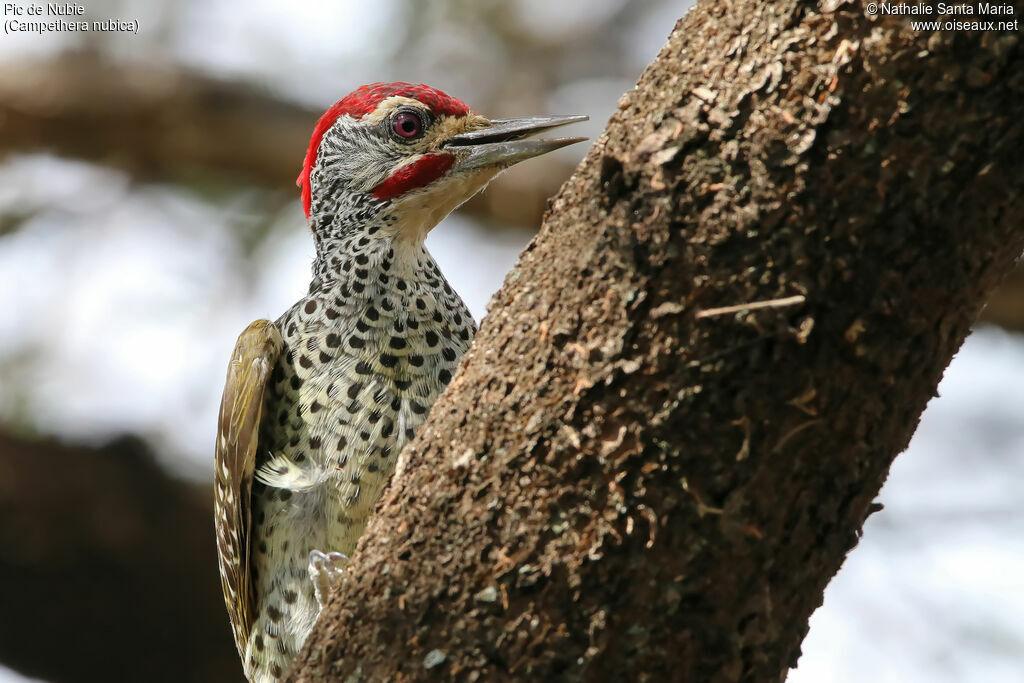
<point x="504" y="142"/>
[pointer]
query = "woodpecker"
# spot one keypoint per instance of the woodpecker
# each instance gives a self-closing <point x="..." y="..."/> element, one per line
<point x="318" y="404"/>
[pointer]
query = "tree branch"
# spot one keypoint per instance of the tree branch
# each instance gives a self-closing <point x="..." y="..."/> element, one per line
<point x="616" y="489"/>
<point x="163" y="122"/>
<point x="151" y="121"/>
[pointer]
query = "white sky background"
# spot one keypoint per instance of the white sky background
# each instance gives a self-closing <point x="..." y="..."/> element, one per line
<point x="121" y="304"/>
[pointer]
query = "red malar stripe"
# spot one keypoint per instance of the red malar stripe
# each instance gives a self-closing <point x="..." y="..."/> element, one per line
<point x="419" y="173"/>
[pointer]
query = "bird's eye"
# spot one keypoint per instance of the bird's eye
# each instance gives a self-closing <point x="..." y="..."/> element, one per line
<point x="408" y="125"/>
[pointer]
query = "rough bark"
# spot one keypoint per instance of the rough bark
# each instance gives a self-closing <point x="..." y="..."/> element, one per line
<point x="631" y="480"/>
<point x="107" y="568"/>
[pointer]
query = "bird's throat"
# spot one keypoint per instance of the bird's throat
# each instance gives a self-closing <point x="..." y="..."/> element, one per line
<point x="419" y="212"/>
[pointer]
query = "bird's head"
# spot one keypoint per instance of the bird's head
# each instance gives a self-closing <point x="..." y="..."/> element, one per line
<point x="403" y="156"/>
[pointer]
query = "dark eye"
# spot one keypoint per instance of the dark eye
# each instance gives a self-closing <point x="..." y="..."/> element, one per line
<point x="408" y="125"/>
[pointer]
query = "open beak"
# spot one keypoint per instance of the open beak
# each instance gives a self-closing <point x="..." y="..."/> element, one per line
<point x="504" y="142"/>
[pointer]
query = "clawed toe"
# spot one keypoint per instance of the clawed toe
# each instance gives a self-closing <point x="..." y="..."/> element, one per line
<point x="325" y="571"/>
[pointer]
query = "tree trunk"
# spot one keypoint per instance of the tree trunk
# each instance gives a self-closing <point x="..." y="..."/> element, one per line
<point x="673" y="422"/>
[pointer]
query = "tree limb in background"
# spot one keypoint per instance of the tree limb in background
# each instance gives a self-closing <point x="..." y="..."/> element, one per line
<point x="161" y="122"/>
<point x="629" y="480"/>
<point x="107" y="568"/>
<point x="153" y="121"/>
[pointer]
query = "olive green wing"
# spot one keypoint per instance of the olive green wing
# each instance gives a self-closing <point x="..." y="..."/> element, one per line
<point x="238" y="427"/>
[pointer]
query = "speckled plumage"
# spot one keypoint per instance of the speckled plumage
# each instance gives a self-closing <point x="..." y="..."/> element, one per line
<point x="364" y="356"/>
<point x="318" y="404"/>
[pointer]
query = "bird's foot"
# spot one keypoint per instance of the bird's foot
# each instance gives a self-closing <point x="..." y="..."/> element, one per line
<point x="325" y="571"/>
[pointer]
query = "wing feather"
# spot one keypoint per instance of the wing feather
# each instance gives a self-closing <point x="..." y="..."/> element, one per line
<point x="238" y="426"/>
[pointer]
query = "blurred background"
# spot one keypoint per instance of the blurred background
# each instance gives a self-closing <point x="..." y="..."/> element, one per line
<point x="148" y="213"/>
